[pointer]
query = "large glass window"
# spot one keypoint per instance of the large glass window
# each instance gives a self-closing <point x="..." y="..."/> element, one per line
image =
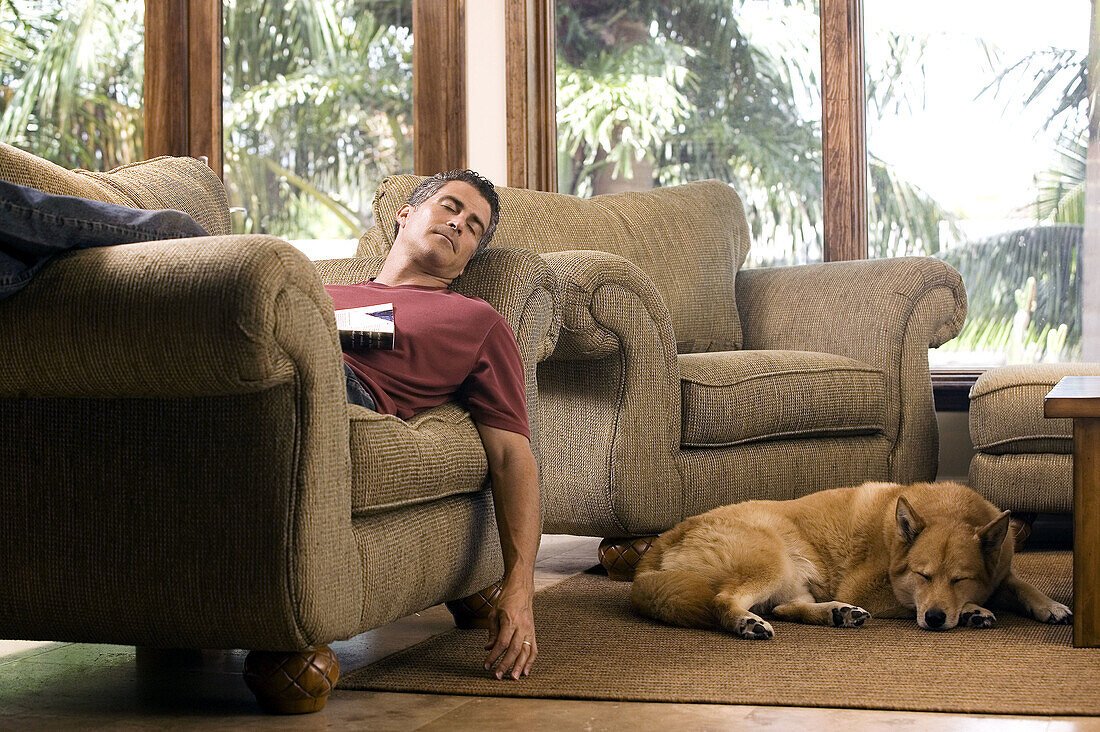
<point x="653" y="93"/>
<point x="977" y="126"/>
<point x="317" y="110"/>
<point x="71" y="76"/>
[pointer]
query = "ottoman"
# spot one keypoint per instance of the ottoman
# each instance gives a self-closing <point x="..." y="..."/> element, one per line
<point x="1023" y="461"/>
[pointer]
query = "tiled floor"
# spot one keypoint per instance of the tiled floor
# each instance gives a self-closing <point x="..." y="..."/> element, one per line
<point x="73" y="685"/>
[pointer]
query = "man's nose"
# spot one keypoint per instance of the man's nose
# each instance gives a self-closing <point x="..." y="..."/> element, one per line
<point x="453" y="225"/>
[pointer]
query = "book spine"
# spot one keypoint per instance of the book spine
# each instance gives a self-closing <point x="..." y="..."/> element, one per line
<point x="361" y="340"/>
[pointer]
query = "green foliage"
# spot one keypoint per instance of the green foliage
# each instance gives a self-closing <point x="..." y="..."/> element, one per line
<point x="903" y="220"/>
<point x="1024" y="293"/>
<point x="71" y="80"/>
<point x="1060" y="195"/>
<point x="318" y="110"/>
<point x="318" y="100"/>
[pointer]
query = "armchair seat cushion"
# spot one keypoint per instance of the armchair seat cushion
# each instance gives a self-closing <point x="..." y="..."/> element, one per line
<point x="734" y="397"/>
<point x="395" y="463"/>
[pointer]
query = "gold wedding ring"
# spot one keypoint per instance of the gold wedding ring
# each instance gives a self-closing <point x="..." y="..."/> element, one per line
<point x="526" y="643"/>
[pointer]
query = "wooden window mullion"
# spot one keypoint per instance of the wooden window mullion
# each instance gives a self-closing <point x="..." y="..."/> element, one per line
<point x="843" y="130"/>
<point x="531" y="92"/>
<point x="183" y="91"/>
<point x="439" y="85"/>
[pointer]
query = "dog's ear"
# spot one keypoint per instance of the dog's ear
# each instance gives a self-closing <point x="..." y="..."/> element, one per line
<point x="909" y="523"/>
<point x="992" y="535"/>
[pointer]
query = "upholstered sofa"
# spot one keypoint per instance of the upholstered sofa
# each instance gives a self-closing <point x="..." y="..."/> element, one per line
<point x="181" y="468"/>
<point x="682" y="381"/>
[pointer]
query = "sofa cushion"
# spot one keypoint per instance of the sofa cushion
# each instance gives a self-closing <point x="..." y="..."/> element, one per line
<point x="183" y="184"/>
<point x="397" y="463"/>
<point x="689" y="239"/>
<point x="745" y="396"/>
<point x="1006" y="409"/>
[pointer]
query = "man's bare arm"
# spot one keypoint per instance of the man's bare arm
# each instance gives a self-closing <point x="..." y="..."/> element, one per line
<point x="515" y="476"/>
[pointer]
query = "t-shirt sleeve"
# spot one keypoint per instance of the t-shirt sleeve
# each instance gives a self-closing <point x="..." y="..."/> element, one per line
<point x="495" y="391"/>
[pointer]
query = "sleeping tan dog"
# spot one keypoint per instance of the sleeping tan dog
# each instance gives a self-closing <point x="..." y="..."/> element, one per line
<point x="937" y="551"/>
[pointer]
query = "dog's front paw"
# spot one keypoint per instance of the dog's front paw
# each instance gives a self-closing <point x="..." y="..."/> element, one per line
<point x="1055" y="614"/>
<point x="978" y="617"/>
<point x="849" y="616"/>
<point x="753" y="628"/>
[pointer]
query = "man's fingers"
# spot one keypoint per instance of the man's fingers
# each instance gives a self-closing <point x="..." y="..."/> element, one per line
<point x="508" y="662"/>
<point x="494" y="630"/>
<point x="503" y="642"/>
<point x="534" y="651"/>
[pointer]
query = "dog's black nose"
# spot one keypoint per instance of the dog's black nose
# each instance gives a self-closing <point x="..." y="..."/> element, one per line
<point x="935" y="618"/>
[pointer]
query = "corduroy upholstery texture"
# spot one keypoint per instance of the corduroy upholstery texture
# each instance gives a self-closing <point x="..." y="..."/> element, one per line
<point x="663" y="398"/>
<point x="1023" y="461"/>
<point x="180" y="469"/>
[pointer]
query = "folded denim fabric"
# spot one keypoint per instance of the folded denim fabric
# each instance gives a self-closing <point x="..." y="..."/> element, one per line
<point x="37" y="226"/>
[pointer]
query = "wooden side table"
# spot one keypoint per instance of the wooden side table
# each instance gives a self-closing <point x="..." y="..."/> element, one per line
<point x="1078" y="397"/>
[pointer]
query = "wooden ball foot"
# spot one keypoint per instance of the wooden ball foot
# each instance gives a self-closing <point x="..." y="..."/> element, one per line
<point x="292" y="682"/>
<point x="620" y="556"/>
<point x="473" y="610"/>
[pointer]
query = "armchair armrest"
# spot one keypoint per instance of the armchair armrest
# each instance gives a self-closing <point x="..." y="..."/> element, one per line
<point x="196" y="493"/>
<point x="177" y="318"/>
<point x="836" y="305"/>
<point x="523" y="288"/>
<point x="883" y="312"/>
<point x="591" y="281"/>
<point x="611" y="392"/>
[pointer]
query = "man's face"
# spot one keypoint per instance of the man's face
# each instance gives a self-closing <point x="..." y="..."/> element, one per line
<point x="443" y="232"/>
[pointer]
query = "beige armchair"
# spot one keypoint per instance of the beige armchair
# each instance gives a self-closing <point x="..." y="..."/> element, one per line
<point x="681" y="382"/>
<point x="180" y="466"/>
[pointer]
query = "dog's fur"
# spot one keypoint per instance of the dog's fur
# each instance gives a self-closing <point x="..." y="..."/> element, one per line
<point x="936" y="551"/>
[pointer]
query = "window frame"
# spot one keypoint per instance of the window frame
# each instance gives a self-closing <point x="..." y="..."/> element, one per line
<point x="183" y="82"/>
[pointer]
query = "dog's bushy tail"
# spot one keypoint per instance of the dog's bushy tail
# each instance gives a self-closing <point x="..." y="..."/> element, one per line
<point x="676" y="596"/>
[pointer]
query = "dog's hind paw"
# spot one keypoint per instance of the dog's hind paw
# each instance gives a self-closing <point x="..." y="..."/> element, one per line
<point x="850" y="616"/>
<point x="980" y="618"/>
<point x="1056" y="614"/>
<point x="753" y="629"/>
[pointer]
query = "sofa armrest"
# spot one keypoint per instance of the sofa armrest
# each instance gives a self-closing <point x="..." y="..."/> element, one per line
<point x="177" y="318"/>
<point x="883" y="312"/>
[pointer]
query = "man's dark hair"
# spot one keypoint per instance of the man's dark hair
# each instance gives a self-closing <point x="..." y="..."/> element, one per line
<point x="430" y="186"/>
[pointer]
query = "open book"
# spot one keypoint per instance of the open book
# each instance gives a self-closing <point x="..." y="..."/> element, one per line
<point x="366" y="327"/>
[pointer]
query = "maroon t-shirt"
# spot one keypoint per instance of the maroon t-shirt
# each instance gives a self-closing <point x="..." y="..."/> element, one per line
<point x="445" y="345"/>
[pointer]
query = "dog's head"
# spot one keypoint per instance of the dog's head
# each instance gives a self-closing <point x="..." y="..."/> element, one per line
<point x="939" y="566"/>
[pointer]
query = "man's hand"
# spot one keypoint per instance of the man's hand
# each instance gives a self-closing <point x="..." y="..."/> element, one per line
<point x="515" y="480"/>
<point x="512" y="646"/>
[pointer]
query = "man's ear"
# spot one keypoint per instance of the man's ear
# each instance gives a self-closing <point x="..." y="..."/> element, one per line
<point x="403" y="215"/>
<point x="909" y="523"/>
<point x="992" y="535"/>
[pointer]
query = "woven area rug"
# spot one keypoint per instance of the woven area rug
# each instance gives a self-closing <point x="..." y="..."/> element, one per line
<point x="592" y="646"/>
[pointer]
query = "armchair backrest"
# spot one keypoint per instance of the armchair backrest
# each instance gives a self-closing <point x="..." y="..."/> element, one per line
<point x="690" y="240"/>
<point x="183" y="184"/>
